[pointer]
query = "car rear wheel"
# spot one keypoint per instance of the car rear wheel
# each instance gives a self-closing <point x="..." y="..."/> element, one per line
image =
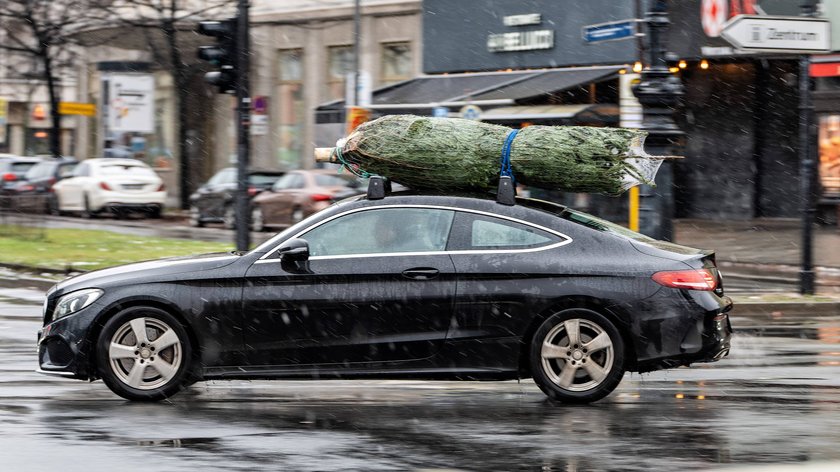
<point x="87" y="213"/>
<point x="297" y="215"/>
<point x="257" y="219"/>
<point x="195" y="217"/>
<point x="144" y="354"/>
<point x="577" y="356"/>
<point x="52" y="205"/>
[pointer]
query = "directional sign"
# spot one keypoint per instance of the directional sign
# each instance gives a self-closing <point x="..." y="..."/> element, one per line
<point x="74" y="108"/>
<point x="611" y="31"/>
<point x="778" y="34"/>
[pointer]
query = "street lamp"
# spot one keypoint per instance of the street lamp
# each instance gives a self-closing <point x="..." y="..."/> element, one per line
<point x="659" y="91"/>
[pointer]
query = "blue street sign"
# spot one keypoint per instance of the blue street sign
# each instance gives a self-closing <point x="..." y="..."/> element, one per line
<point x="612" y="31"/>
<point x="440" y="112"/>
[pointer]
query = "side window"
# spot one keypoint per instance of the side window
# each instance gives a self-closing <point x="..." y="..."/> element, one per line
<point x="66" y="170"/>
<point x="284" y="182"/>
<point x="481" y="233"/>
<point x="82" y="170"/>
<point x="382" y="231"/>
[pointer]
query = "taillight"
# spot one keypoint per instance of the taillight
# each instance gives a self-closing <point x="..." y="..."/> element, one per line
<point x="321" y="197"/>
<point x="694" y="279"/>
<point x="51" y="182"/>
<point x="104" y="186"/>
<point x="161" y="188"/>
<point x="252" y="191"/>
<point x="9" y="177"/>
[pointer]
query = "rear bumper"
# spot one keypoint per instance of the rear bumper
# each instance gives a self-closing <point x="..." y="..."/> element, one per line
<point x="682" y="330"/>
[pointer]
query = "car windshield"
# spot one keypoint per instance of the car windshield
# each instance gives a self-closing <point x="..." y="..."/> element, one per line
<point x="323" y="180"/>
<point x="126" y="169"/>
<point x="21" y="167"/>
<point x="40" y="170"/>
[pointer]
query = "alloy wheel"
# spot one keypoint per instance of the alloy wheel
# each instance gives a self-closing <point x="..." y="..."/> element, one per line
<point x="145" y="353"/>
<point x="577" y="355"/>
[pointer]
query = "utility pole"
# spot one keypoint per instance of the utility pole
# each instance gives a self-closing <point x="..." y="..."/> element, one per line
<point x="806" y="164"/>
<point x="659" y="91"/>
<point x="243" y="118"/>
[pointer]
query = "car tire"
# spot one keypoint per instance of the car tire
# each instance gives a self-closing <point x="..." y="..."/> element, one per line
<point x="257" y="219"/>
<point x="151" y="366"/>
<point x="156" y="213"/>
<point x="87" y="213"/>
<point x="581" y="368"/>
<point x="229" y="218"/>
<point x="297" y="215"/>
<point x="52" y="207"/>
<point x="195" y="217"/>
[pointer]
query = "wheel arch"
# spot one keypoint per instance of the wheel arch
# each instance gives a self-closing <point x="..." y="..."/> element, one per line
<point x="610" y="310"/>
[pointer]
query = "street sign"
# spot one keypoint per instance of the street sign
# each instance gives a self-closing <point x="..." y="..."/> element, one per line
<point x="440" y="112"/>
<point x="131" y="103"/>
<point x="612" y="31"/>
<point x="75" y="108"/>
<point x="470" y="112"/>
<point x="787" y="34"/>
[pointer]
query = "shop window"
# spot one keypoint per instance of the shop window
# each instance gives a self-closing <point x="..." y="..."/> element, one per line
<point x="340" y="64"/>
<point x="396" y="63"/>
<point x="830" y="155"/>
<point x="290" y="108"/>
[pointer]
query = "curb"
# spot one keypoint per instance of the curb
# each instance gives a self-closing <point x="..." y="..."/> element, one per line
<point x="777" y="309"/>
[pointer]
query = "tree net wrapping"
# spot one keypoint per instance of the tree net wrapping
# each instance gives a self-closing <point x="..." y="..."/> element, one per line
<point x="448" y="154"/>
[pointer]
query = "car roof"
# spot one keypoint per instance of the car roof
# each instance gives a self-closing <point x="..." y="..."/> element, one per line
<point x="113" y="160"/>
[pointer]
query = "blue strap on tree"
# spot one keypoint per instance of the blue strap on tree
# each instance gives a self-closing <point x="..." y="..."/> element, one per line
<point x="506" y="194"/>
<point x="506" y="169"/>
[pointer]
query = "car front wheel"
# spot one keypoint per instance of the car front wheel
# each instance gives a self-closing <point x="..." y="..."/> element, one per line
<point x="257" y="220"/>
<point x="144" y="354"/>
<point x="577" y="356"/>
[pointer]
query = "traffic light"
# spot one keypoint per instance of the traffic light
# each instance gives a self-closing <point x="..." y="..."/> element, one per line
<point x="222" y="54"/>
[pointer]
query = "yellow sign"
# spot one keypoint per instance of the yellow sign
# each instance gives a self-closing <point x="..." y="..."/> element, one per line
<point x="74" y="108"/>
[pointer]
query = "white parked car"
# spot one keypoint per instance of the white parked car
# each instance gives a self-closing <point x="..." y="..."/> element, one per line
<point x="111" y="185"/>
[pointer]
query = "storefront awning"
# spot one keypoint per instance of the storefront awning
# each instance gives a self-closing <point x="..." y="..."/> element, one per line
<point x="486" y="90"/>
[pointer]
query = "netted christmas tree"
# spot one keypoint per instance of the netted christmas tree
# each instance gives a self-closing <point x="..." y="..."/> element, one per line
<point x="446" y="154"/>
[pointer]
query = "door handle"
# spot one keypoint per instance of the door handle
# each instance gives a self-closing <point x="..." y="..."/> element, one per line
<point x="421" y="273"/>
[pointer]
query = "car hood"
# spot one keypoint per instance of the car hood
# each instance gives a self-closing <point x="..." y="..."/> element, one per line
<point x="143" y="271"/>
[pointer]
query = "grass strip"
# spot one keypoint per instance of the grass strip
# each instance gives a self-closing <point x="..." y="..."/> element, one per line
<point x="75" y="249"/>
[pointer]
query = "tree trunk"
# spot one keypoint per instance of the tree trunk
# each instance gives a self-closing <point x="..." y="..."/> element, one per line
<point x="180" y="74"/>
<point x="55" y="117"/>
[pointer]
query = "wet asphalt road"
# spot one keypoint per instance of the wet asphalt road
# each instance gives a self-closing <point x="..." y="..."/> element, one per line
<point x="775" y="400"/>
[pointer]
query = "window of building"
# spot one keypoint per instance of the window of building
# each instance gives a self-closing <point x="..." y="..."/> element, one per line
<point x="340" y="63"/>
<point x="396" y="62"/>
<point x="290" y="108"/>
<point x="830" y="155"/>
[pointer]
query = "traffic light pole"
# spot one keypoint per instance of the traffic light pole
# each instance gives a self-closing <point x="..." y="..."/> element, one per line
<point x="807" y="275"/>
<point x="243" y="118"/>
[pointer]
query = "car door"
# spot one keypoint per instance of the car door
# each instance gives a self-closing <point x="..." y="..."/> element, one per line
<point x="505" y="268"/>
<point x="216" y="192"/>
<point x="278" y="206"/>
<point x="378" y="287"/>
<point x="70" y="191"/>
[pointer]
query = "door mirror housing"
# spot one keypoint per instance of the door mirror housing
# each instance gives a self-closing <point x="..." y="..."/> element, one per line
<point x="294" y="250"/>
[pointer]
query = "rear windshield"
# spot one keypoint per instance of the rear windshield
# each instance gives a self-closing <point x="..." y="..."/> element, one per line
<point x="263" y="179"/>
<point x="21" y="167"/>
<point x="126" y="169"/>
<point x="585" y="219"/>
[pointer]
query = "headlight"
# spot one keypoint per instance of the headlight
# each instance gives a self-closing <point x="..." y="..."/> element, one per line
<point x="75" y="301"/>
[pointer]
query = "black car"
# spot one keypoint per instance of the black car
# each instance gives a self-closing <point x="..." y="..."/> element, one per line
<point x="406" y="286"/>
<point x="213" y="202"/>
<point x="34" y="191"/>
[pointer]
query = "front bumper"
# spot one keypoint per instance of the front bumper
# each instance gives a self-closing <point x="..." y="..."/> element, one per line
<point x="63" y="346"/>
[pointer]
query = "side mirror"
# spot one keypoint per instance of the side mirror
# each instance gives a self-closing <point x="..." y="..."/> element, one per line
<point x="294" y="250"/>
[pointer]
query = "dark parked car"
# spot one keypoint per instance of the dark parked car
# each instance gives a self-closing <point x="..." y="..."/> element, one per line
<point x="213" y="202"/>
<point x="12" y="169"/>
<point x="34" y="191"/>
<point x="409" y="286"/>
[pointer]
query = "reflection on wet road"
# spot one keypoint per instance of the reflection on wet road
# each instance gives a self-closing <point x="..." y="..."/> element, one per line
<point x="775" y="400"/>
